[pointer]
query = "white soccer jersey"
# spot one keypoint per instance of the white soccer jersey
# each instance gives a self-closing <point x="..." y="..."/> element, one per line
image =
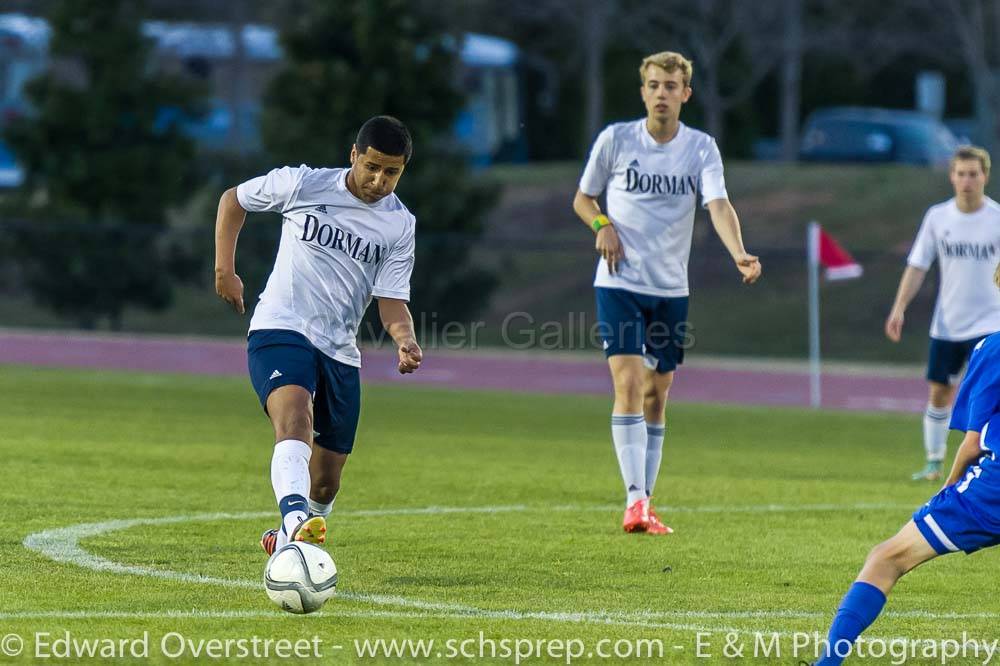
<point x="652" y="190"/>
<point x="967" y="245"/>
<point x="336" y="252"/>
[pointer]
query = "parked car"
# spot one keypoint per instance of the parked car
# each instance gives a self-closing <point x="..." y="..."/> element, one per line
<point x="858" y="134"/>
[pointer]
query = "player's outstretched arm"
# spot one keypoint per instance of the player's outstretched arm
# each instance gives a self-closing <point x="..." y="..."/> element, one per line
<point x="967" y="454"/>
<point x="396" y="318"/>
<point x="909" y="285"/>
<point x="228" y="222"/>
<point x="607" y="243"/>
<point x="727" y="226"/>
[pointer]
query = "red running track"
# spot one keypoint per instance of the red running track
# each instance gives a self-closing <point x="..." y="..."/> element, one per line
<point x="475" y="370"/>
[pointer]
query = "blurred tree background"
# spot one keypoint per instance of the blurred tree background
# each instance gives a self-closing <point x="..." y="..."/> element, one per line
<point x="103" y="164"/>
<point x="759" y="68"/>
<point x="348" y="61"/>
<point x="115" y="220"/>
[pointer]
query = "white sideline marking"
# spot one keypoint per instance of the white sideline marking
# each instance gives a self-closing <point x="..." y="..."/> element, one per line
<point x="186" y="614"/>
<point x="575" y="508"/>
<point x="482" y="614"/>
<point x="62" y="545"/>
<point x="784" y="508"/>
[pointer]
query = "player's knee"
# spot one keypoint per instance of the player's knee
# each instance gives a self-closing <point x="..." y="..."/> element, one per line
<point x="629" y="382"/>
<point x="656" y="401"/>
<point x="294" y="425"/>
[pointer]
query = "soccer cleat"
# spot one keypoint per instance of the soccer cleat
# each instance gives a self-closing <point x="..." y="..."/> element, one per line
<point x="655" y="525"/>
<point x="636" y="516"/>
<point x="269" y="541"/>
<point x="930" y="472"/>
<point x="310" y="530"/>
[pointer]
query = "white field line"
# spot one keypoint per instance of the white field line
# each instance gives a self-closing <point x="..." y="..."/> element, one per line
<point x="62" y="545"/>
<point x="575" y="508"/>
<point x="481" y="614"/>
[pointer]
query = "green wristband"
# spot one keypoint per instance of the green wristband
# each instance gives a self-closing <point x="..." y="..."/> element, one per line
<point x="600" y="222"/>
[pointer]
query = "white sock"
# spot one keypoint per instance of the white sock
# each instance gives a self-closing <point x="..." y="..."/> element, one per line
<point x="654" y="453"/>
<point x="629" y="434"/>
<point x="320" y="509"/>
<point x="936" y="432"/>
<point x="290" y="481"/>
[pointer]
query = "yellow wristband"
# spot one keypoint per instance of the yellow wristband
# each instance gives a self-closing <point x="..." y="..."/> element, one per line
<point x="599" y="222"/>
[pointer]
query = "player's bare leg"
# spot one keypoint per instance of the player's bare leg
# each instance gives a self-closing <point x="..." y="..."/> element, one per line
<point x="936" y="418"/>
<point x="290" y="410"/>
<point x="628" y="374"/>
<point x="892" y="559"/>
<point x="886" y="564"/>
<point x="325" y="469"/>
<point x="628" y="430"/>
<point x="656" y="389"/>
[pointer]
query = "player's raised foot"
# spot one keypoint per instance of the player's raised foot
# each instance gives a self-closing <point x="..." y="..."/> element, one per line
<point x="930" y="472"/>
<point x="636" y="516"/>
<point x="310" y="530"/>
<point x="655" y="525"/>
<point x="269" y="541"/>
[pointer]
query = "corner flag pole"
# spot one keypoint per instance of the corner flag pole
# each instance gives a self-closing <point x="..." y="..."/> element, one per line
<point x="812" y="250"/>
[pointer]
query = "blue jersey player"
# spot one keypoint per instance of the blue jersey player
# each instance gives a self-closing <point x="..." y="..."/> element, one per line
<point x="963" y="516"/>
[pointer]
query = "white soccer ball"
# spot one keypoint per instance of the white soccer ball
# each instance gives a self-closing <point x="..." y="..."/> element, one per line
<point x="300" y="577"/>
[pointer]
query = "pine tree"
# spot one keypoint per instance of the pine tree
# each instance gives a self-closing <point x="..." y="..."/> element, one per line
<point x="99" y="154"/>
<point x="350" y="60"/>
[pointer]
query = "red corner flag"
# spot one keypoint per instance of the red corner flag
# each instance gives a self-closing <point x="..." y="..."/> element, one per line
<point x="837" y="261"/>
<point x="823" y="251"/>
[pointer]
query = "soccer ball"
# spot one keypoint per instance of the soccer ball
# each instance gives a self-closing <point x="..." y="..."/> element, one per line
<point x="300" y="577"/>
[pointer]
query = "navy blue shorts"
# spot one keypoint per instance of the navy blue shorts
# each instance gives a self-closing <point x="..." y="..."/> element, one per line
<point x="653" y="327"/>
<point x="947" y="359"/>
<point x="280" y="358"/>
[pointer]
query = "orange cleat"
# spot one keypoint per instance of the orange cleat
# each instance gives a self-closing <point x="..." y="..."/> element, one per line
<point x="636" y="516"/>
<point x="269" y="541"/>
<point x="656" y="525"/>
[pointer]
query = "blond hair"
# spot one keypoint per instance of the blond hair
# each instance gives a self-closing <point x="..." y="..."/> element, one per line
<point x="972" y="153"/>
<point x="671" y="62"/>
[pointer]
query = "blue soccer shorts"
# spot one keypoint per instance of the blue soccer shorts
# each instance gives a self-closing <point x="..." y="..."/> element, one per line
<point x="946" y="359"/>
<point x="966" y="515"/>
<point x="653" y="327"/>
<point x="279" y="358"/>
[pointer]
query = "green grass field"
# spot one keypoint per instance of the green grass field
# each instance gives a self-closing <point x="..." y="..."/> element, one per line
<point x="774" y="511"/>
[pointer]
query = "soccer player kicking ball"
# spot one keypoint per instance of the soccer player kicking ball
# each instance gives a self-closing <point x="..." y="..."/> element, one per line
<point x="652" y="169"/>
<point x="345" y="237"/>
<point x="963" y="234"/>
<point x="964" y="516"/>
